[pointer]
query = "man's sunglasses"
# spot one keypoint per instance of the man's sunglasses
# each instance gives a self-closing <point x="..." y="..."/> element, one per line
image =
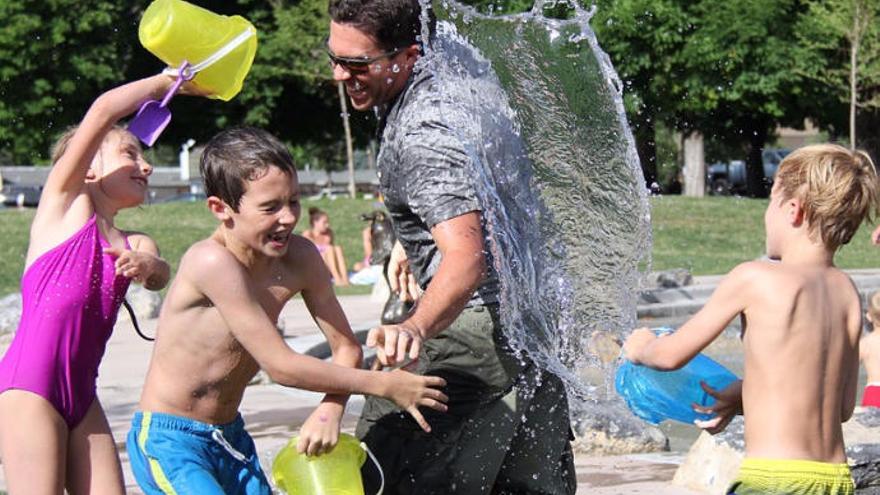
<point x="359" y="64"/>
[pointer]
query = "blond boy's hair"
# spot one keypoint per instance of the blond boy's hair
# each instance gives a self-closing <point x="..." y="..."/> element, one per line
<point x="837" y="186"/>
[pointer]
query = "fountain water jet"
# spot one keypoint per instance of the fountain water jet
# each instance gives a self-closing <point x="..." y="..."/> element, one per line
<point x="539" y="108"/>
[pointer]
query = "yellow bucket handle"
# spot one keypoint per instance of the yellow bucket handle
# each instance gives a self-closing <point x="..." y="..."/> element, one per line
<point x="214" y="57"/>
<point x="378" y="466"/>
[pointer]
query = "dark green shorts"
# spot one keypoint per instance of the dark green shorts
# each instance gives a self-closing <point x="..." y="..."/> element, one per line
<point x="506" y="431"/>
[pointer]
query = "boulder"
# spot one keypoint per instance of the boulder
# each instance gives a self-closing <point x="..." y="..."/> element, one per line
<point x="10" y="313"/>
<point x="610" y="429"/>
<point x="669" y="279"/>
<point x="862" y="437"/>
<point x="712" y="461"/>
<point x="145" y="303"/>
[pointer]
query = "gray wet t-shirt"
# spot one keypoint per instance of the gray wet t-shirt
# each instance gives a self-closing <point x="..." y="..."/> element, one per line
<point x="424" y="174"/>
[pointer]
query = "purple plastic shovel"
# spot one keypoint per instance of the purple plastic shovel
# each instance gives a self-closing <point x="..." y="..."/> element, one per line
<point x="153" y="116"/>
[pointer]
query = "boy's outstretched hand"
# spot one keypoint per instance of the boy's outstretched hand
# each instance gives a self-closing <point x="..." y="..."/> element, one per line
<point x="410" y="391"/>
<point x="320" y="433"/>
<point x="636" y="343"/>
<point x="728" y="403"/>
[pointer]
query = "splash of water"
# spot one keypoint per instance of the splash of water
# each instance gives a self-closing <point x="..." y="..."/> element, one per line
<point x="539" y="108"/>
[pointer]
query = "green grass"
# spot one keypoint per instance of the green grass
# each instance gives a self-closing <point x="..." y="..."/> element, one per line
<point x="175" y="226"/>
<point x="712" y="235"/>
<point x="707" y="235"/>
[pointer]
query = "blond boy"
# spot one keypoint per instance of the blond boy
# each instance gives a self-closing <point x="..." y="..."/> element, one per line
<point x="869" y="353"/>
<point x="217" y="327"/>
<point x="801" y="324"/>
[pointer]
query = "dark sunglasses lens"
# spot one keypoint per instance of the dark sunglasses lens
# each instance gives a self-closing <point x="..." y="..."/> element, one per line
<point x="349" y="64"/>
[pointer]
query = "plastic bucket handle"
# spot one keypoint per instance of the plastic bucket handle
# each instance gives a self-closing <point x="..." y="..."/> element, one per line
<point x="214" y="57"/>
<point x="378" y="466"/>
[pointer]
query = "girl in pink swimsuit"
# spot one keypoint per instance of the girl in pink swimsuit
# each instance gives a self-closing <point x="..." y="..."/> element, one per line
<point x="53" y="431"/>
<point x="320" y="233"/>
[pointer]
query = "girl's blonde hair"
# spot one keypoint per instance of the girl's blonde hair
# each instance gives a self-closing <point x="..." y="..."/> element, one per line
<point x="60" y="146"/>
<point x="837" y="186"/>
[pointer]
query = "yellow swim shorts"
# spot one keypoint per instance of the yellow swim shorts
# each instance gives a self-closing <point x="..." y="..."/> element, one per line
<point x="791" y="477"/>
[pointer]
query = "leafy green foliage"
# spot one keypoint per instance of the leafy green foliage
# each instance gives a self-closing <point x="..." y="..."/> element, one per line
<point x="733" y="70"/>
<point x="830" y="32"/>
<point x="57" y="55"/>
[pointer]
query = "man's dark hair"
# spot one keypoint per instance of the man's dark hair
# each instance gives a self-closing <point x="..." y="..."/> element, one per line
<point x="237" y="155"/>
<point x="393" y="23"/>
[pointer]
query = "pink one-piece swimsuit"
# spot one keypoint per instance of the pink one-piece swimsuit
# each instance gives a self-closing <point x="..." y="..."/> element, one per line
<point x="70" y="297"/>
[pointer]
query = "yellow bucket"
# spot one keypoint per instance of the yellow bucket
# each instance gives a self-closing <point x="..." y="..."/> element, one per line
<point x="219" y="48"/>
<point x="337" y="472"/>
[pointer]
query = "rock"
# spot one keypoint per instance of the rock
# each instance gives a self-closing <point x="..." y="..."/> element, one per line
<point x="862" y="439"/>
<point x="669" y="279"/>
<point x="10" y="313"/>
<point x="145" y="303"/>
<point x="610" y="429"/>
<point x="712" y="461"/>
<point x="864" y="461"/>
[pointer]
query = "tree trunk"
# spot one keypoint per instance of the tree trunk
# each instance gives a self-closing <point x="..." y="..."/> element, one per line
<point x="371" y="154"/>
<point x="349" y="149"/>
<point x="756" y="183"/>
<point x="854" y="42"/>
<point x="694" y="165"/>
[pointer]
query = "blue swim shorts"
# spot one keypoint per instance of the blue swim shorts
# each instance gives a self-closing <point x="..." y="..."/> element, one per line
<point x="175" y="455"/>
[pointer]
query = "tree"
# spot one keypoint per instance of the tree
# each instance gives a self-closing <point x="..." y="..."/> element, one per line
<point x="644" y="39"/>
<point x="843" y="42"/>
<point x="742" y="75"/>
<point x="56" y="57"/>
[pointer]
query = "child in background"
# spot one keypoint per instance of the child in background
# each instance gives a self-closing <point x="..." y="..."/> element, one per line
<point x="869" y="353"/>
<point x="320" y="233"/>
<point x="217" y="328"/>
<point x="801" y="326"/>
<point x="53" y="431"/>
<point x="367" y="242"/>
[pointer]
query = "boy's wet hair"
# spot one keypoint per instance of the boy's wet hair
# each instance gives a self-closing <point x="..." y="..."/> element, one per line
<point x="392" y="23"/>
<point x="60" y="147"/>
<point x="837" y="186"/>
<point x="238" y="155"/>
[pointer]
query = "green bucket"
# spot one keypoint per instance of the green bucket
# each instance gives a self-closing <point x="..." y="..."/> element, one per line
<point x="337" y="472"/>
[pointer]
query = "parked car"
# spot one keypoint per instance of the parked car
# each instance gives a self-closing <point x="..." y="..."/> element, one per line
<point x="772" y="158"/>
<point x="12" y="194"/>
<point x="726" y="178"/>
<point x="730" y="178"/>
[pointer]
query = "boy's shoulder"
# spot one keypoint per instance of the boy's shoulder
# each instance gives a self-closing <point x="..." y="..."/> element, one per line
<point x="767" y="271"/>
<point x="301" y="250"/>
<point x="754" y="271"/>
<point x="207" y="254"/>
